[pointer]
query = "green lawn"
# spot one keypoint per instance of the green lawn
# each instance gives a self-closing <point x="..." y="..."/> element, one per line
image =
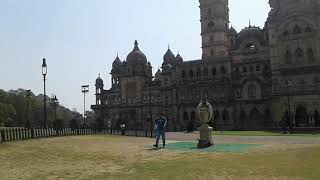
<point x="111" y="157"/>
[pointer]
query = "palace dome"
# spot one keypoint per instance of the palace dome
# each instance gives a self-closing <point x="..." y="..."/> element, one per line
<point x="99" y="81"/>
<point x="168" y="56"/>
<point x="179" y="59"/>
<point x="251" y="32"/>
<point x="117" y="62"/>
<point x="136" y="56"/>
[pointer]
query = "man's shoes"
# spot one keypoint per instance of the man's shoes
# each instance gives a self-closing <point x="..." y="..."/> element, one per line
<point x="164" y="146"/>
<point x="155" y="145"/>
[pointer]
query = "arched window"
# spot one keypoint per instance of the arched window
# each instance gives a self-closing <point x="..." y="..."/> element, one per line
<point x="231" y="42"/>
<point x="191" y="74"/>
<point x="193" y="116"/>
<point x="216" y="116"/>
<point x="211" y="25"/>
<point x="296" y="30"/>
<point x="212" y="52"/>
<point x="254" y="114"/>
<point x="205" y="72"/>
<point x="225" y="116"/>
<point x="222" y="70"/>
<point x="308" y="29"/>
<point x="299" y="53"/>
<point x="183" y="74"/>
<point x="199" y="73"/>
<point x="286" y="33"/>
<point x="288" y="57"/>
<point x="214" y="72"/>
<point x="185" y="116"/>
<point x="209" y="12"/>
<point x="252" y="90"/>
<point x="251" y="46"/>
<point x="310" y="55"/>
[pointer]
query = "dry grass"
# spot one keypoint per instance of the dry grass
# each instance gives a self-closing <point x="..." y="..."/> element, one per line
<point x="109" y="157"/>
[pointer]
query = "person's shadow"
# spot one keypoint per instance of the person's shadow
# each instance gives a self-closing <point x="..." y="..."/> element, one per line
<point x="154" y="148"/>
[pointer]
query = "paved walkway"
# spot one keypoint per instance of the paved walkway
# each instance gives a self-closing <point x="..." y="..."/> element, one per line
<point x="299" y="140"/>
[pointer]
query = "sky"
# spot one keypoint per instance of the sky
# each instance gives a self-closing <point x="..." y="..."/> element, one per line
<point x="81" y="38"/>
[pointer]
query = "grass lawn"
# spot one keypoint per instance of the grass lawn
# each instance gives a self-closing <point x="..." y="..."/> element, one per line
<point x="111" y="157"/>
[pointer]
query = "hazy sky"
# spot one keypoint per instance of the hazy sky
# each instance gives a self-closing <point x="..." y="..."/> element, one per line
<point x="80" y="39"/>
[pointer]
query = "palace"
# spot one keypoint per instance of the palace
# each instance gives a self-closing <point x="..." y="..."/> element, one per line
<point x="252" y="77"/>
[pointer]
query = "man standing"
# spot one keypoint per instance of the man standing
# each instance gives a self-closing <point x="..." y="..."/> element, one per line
<point x="160" y="127"/>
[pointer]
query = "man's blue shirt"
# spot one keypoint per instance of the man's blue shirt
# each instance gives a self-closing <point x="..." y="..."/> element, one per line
<point x="161" y="123"/>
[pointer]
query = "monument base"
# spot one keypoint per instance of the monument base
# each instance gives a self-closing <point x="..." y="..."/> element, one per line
<point x="204" y="144"/>
<point x="205" y="136"/>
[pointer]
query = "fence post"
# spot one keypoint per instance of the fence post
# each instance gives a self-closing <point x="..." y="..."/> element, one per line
<point x="32" y="133"/>
<point x="3" y="137"/>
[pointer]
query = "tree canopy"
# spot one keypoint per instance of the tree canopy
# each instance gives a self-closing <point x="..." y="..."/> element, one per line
<point x="14" y="111"/>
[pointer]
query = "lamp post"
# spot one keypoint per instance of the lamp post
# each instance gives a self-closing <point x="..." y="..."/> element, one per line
<point x="289" y="84"/>
<point x="55" y="103"/>
<point x="44" y="73"/>
<point x="28" y="124"/>
<point x="150" y="107"/>
<point x="85" y="89"/>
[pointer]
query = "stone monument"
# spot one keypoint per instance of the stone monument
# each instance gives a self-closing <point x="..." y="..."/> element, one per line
<point x="204" y="112"/>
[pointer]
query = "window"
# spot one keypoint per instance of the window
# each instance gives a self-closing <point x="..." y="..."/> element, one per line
<point x="251" y="69"/>
<point x="199" y="74"/>
<point x="308" y="29"/>
<point x="205" y="72"/>
<point x="251" y="46"/>
<point x="183" y="74"/>
<point x="252" y="90"/>
<point x="299" y="53"/>
<point x="214" y="71"/>
<point x="288" y="57"/>
<point x="258" y="68"/>
<point x="191" y="74"/>
<point x="209" y="12"/>
<point x="212" y="52"/>
<point x="244" y="69"/>
<point x="222" y="70"/>
<point x="310" y="55"/>
<point x="296" y="30"/>
<point x="211" y="25"/>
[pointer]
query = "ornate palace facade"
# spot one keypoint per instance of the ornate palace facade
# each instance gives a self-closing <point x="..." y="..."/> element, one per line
<point x="251" y="77"/>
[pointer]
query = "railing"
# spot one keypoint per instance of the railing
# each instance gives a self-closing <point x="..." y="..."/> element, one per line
<point x="15" y="134"/>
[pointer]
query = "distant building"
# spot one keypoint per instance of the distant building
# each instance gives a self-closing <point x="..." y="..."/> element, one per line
<point x="247" y="75"/>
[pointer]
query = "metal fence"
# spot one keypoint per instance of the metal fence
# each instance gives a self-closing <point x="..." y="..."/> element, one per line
<point x="15" y="134"/>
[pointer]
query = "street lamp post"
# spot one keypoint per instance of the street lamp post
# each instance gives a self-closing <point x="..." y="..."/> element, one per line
<point x="55" y="103"/>
<point x="85" y="89"/>
<point x="44" y="73"/>
<point x="289" y="84"/>
<point x="28" y="124"/>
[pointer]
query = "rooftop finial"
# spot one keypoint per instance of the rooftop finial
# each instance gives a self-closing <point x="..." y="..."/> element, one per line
<point x="99" y="74"/>
<point x="249" y="22"/>
<point x="168" y="46"/>
<point x="136" y="47"/>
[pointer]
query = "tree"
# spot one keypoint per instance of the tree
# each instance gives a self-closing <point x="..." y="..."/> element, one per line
<point x="13" y="109"/>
